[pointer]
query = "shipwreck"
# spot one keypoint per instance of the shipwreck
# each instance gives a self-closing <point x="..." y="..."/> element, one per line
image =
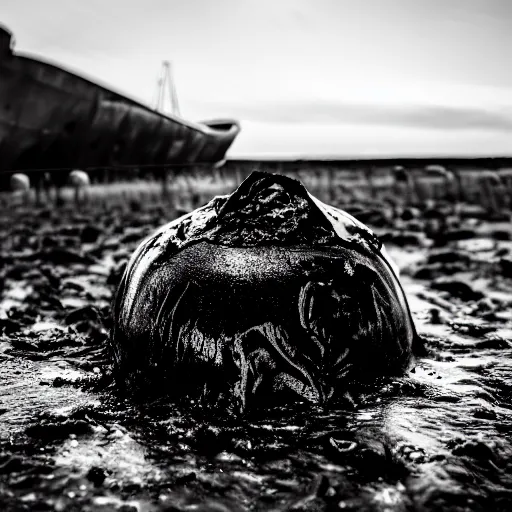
<point x="54" y="119"/>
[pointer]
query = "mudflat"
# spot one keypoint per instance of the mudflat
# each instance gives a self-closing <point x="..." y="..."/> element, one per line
<point x="437" y="438"/>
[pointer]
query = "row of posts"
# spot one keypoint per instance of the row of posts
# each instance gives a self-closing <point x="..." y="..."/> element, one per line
<point x="491" y="189"/>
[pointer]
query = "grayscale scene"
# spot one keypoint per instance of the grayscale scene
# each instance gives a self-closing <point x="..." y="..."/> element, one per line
<point x="255" y="255"/>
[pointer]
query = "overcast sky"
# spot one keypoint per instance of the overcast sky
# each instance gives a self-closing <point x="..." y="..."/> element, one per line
<point x="304" y="77"/>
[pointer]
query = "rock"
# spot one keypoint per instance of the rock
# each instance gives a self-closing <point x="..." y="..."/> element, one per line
<point x="127" y="508"/>
<point x="500" y="234"/>
<point x="58" y="256"/>
<point x="90" y="234"/>
<point x="457" y="289"/>
<point x="484" y="413"/>
<point x="435" y="316"/>
<point x="8" y="326"/>
<point x="411" y="213"/>
<point x="86" y="313"/>
<point x="453" y="235"/>
<point x="405" y="239"/>
<point x="415" y="226"/>
<point x="96" y="475"/>
<point x="58" y="430"/>
<point x="448" y="256"/>
<point x="13" y="464"/>
<point x="472" y="211"/>
<point x="186" y="479"/>
<point x="433" y="271"/>
<point x="505" y="266"/>
<point x="477" y="450"/>
<point x="373" y="218"/>
<point x="434" y="214"/>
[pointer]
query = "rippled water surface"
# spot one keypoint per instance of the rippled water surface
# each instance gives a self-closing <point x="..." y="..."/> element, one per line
<point x="437" y="438"/>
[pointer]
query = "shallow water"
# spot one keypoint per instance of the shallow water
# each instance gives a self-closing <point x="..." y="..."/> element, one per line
<point x="436" y="438"/>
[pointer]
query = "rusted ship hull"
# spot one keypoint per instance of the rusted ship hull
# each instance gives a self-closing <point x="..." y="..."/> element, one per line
<point x="51" y="118"/>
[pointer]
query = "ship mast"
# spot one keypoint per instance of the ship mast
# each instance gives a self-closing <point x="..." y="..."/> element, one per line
<point x="166" y="84"/>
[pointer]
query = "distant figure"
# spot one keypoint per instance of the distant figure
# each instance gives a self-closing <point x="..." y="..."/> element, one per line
<point x="404" y="187"/>
<point x="492" y="192"/>
<point x="20" y="181"/>
<point x="451" y="188"/>
<point x="20" y="185"/>
<point x="80" y="181"/>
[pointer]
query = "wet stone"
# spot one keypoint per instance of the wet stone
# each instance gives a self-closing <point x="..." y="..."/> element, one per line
<point x="58" y="430"/>
<point x="448" y="257"/>
<point x="456" y="288"/>
<point x="90" y="234"/>
<point x="506" y="267"/>
<point x="9" y="326"/>
<point x="127" y="508"/>
<point x="86" y="313"/>
<point x="407" y="239"/>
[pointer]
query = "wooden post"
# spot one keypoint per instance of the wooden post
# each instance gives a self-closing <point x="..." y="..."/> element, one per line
<point x="164" y="176"/>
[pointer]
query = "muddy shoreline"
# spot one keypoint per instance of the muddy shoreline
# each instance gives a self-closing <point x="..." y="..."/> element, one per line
<point x="437" y="438"/>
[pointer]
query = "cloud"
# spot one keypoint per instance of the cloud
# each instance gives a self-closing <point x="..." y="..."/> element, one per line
<point x="259" y="139"/>
<point x="332" y="112"/>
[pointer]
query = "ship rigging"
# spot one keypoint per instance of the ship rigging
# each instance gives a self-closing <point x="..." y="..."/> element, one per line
<point x="166" y="84"/>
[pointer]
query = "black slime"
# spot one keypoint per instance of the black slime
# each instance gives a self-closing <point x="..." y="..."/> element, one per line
<point x="263" y="296"/>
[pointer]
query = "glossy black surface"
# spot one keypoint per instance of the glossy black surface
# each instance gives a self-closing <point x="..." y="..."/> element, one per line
<point x="207" y="309"/>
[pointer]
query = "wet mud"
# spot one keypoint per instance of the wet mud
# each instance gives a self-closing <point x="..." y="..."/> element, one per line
<point x="437" y="438"/>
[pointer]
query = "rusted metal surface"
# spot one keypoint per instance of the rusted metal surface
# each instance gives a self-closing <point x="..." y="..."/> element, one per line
<point x="51" y="118"/>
